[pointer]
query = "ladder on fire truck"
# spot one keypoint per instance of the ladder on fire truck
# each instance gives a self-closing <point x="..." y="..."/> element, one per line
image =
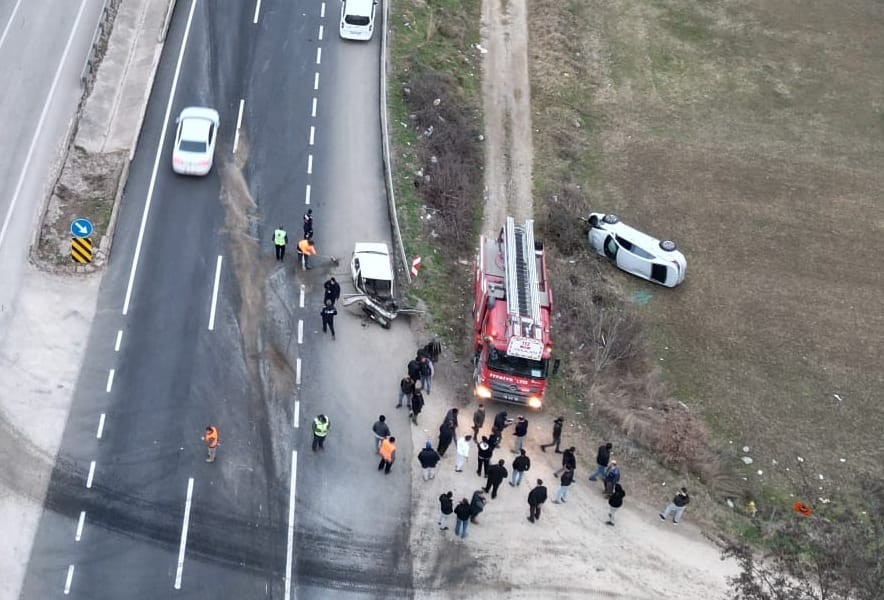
<point x="522" y="295"/>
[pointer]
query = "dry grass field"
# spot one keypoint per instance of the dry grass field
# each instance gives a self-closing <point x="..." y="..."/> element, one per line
<point x="752" y="133"/>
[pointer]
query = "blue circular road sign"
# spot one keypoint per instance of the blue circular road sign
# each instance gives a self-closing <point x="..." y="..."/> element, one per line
<point x="81" y="228"/>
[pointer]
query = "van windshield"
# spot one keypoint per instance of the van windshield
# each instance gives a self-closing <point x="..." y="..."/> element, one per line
<point x="357" y="20"/>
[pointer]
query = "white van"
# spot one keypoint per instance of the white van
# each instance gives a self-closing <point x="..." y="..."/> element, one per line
<point x="357" y="19"/>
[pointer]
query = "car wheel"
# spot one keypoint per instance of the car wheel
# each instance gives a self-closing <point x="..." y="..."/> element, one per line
<point x="610" y="219"/>
<point x="594" y="221"/>
<point x="667" y="245"/>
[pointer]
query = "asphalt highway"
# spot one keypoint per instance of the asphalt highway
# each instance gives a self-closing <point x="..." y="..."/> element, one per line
<point x="197" y="323"/>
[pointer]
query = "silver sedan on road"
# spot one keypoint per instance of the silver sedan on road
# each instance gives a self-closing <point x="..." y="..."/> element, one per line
<point x="195" y="141"/>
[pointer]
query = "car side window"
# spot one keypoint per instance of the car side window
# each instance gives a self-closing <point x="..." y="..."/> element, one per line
<point x="625" y="243"/>
<point x="211" y="133"/>
<point x="611" y="247"/>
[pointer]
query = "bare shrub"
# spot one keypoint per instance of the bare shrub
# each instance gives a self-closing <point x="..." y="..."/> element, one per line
<point x="557" y="223"/>
<point x="450" y="175"/>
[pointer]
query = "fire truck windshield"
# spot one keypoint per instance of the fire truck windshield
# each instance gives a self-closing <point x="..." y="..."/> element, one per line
<point x="500" y="361"/>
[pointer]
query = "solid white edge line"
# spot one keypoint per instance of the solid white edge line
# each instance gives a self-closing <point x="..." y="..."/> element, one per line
<point x="313" y="112"/>
<point x="291" y="531"/>
<point x="257" y="12"/>
<point x="68" y="580"/>
<point x="110" y="380"/>
<point x="40" y="122"/>
<point x="309" y="164"/>
<point x="9" y="22"/>
<point x="312" y="134"/>
<point x="316" y="80"/>
<point x="184" y="526"/>
<point x="242" y="104"/>
<point x="300" y="331"/>
<point x="298" y="371"/>
<point x="156" y="162"/>
<point x="297" y="412"/>
<point x="318" y="56"/>
<point x="118" y="340"/>
<point x="80" y="523"/>
<point x="321" y="30"/>
<point x="321" y="10"/>
<point x="100" y="431"/>
<point x="91" y="475"/>
<point x="214" y="305"/>
<point x="303" y="293"/>
<point x="307" y="194"/>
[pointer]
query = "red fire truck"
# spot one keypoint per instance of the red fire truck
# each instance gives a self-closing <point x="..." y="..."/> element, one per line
<point x="511" y="317"/>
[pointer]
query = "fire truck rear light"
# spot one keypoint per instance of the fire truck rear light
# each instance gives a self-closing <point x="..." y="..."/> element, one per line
<point x="483" y="392"/>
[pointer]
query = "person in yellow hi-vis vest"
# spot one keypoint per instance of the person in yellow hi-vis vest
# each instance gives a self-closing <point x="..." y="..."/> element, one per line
<point x="280" y="239"/>
<point x="306" y="249"/>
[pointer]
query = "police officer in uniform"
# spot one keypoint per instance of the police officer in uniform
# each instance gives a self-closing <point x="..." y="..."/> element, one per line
<point x="280" y="239"/>
<point x="320" y="431"/>
<point x="328" y="313"/>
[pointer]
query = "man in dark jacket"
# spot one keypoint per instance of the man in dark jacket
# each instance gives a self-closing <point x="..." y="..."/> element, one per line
<point x="446" y="507"/>
<point x="478" y="420"/>
<point x="426" y="373"/>
<point x="406" y="389"/>
<point x="569" y="461"/>
<point x="428" y="459"/>
<point x="557" y="435"/>
<point x="485" y="453"/>
<point x="380" y="429"/>
<point x="501" y="421"/>
<point x="496" y="474"/>
<point x="564" y="485"/>
<point x="615" y="502"/>
<point x="520" y="466"/>
<point x="414" y="370"/>
<point x="678" y="504"/>
<point x="328" y="314"/>
<point x="612" y="477"/>
<point x="463" y="512"/>
<point x="536" y="497"/>
<point x="602" y="458"/>
<point x="451" y="417"/>
<point x="520" y="431"/>
<point x="477" y="505"/>
<point x="446" y="434"/>
<point x="332" y="290"/>
<point x="417" y="404"/>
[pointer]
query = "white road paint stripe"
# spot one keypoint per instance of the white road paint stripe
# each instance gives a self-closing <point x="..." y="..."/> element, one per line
<point x="319" y="56"/>
<point x="312" y="134"/>
<point x="255" y="21"/>
<point x="9" y="23"/>
<point x="100" y="431"/>
<point x="300" y="331"/>
<point x="68" y="580"/>
<point x="303" y="293"/>
<point x="297" y="412"/>
<point x="80" y="523"/>
<point x="110" y="380"/>
<point x="184" y="526"/>
<point x="215" y="293"/>
<point x="307" y="195"/>
<point x="291" y="531"/>
<point x="298" y="371"/>
<point x="321" y="10"/>
<point x="242" y="104"/>
<point x="313" y="112"/>
<point x="156" y="162"/>
<point x="316" y="80"/>
<point x="321" y="31"/>
<point x="309" y="164"/>
<point x="118" y="340"/>
<point x="40" y="122"/>
<point x="91" y="475"/>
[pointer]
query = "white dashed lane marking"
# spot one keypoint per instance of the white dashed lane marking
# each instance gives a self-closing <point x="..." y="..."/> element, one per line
<point x="100" y="431"/>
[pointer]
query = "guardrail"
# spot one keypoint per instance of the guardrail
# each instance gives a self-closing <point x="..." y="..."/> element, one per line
<point x="95" y="50"/>
<point x="385" y="144"/>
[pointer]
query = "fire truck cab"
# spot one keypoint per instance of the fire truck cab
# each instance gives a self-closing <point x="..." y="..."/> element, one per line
<point x="511" y="317"/>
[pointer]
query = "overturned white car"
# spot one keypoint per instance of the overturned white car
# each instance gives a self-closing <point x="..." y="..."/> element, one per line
<point x="636" y="252"/>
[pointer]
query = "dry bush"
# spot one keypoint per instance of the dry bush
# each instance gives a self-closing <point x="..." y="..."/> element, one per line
<point x="450" y="175"/>
<point x="557" y="224"/>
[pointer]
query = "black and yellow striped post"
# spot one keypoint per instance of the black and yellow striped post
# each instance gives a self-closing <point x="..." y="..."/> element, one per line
<point x="81" y="250"/>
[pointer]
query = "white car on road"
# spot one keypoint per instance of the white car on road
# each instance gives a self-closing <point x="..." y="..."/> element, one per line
<point x="636" y="252"/>
<point x="357" y="19"/>
<point x="195" y="141"/>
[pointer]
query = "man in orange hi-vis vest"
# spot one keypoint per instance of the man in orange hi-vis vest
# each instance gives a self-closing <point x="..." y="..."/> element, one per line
<point x="388" y="454"/>
<point x="211" y="440"/>
<point x="306" y="249"/>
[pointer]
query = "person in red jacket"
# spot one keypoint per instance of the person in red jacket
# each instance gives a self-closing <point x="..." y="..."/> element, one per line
<point x="211" y="440"/>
